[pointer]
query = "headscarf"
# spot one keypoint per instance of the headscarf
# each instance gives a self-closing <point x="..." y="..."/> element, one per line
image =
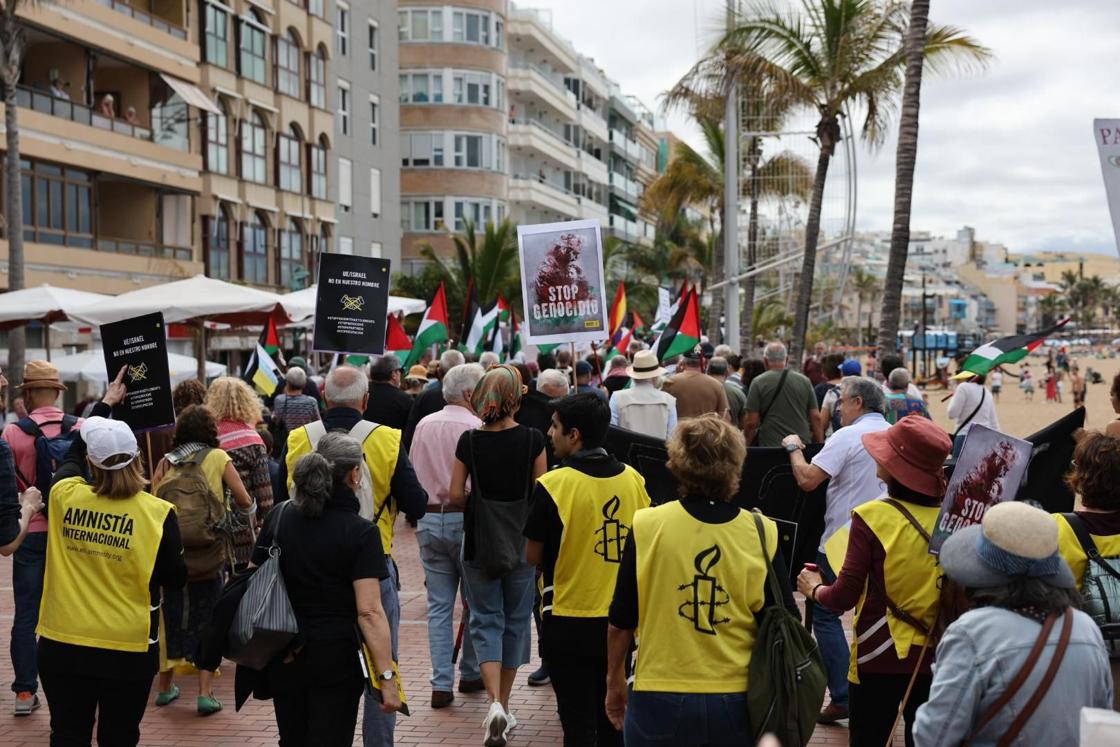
<point x="498" y="393"/>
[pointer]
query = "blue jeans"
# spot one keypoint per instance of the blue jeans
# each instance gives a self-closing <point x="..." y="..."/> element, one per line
<point x="377" y="727"/>
<point x="833" y="643"/>
<point x="687" y="719"/>
<point x="440" y="537"/>
<point x="501" y="610"/>
<point x="28" y="564"/>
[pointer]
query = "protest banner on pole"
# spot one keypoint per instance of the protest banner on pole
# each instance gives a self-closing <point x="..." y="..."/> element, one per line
<point x="562" y="282"/>
<point x="351" y="305"/>
<point x="1107" y="134"/>
<point x="141" y="344"/>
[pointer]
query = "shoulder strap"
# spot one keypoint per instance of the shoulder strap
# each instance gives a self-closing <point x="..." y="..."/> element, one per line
<point x="771" y="577"/>
<point x="31" y="428"/>
<point x="276" y="529"/>
<point x="909" y="517"/>
<point x="362" y="430"/>
<point x="1087" y="544"/>
<point x="897" y="611"/>
<point x="1043" y="686"/>
<point x="983" y="394"/>
<point x="68" y="422"/>
<point x="315" y="430"/>
<point x="774" y="396"/>
<point x="197" y="457"/>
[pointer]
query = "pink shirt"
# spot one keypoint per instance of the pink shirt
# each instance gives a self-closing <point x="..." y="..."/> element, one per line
<point x="433" y="449"/>
<point x="23" y="451"/>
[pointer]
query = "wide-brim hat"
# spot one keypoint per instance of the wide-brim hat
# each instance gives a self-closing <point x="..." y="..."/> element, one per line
<point x="41" y="375"/>
<point x="913" y="451"/>
<point x="418" y="372"/>
<point x="645" y="366"/>
<point x="1014" y="541"/>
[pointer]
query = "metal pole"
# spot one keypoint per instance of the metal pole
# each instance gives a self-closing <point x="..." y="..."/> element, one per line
<point x="731" y="203"/>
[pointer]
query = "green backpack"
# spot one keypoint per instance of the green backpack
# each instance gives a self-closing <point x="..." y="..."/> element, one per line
<point x="1100" y="587"/>
<point x="787" y="676"/>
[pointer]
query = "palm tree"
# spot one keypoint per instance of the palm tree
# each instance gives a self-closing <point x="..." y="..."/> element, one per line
<point x="489" y="260"/>
<point x="829" y="55"/>
<point x="771" y="318"/>
<point x="867" y="287"/>
<point x="1051" y="308"/>
<point x="906" y="155"/>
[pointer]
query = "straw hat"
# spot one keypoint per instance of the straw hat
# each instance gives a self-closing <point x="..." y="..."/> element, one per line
<point x="41" y="375"/>
<point x="645" y="366"/>
<point x="418" y="372"/>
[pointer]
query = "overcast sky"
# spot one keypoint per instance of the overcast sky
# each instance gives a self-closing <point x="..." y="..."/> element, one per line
<point x="1008" y="151"/>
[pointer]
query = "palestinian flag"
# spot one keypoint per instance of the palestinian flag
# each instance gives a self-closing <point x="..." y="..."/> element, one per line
<point x="470" y="306"/>
<point x="485" y="326"/>
<point x="396" y="341"/>
<point x="262" y="372"/>
<point x="515" y="344"/>
<point x="1002" y="351"/>
<point x="269" y="339"/>
<point x="618" y="309"/>
<point x="683" y="332"/>
<point x="432" y="330"/>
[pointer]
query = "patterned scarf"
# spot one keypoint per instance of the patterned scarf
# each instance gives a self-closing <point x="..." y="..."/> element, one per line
<point x="498" y="394"/>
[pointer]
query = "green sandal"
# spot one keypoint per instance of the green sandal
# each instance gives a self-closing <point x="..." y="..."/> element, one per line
<point x="163" y="699"/>
<point x="208" y="704"/>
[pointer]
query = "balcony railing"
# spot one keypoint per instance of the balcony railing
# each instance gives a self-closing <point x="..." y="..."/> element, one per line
<point x="560" y="141"/>
<point x="44" y="102"/>
<point x="144" y="17"/>
<point x="546" y="183"/>
<point x="144" y="249"/>
<point x="629" y="187"/>
<point x="548" y="78"/>
<point x="624" y="226"/>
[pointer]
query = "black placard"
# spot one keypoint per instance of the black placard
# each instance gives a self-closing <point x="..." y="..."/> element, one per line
<point x="351" y="305"/>
<point x="141" y="344"/>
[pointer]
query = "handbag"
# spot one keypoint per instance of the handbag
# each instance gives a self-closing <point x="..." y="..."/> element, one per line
<point x="265" y="622"/>
<point x="497" y="526"/>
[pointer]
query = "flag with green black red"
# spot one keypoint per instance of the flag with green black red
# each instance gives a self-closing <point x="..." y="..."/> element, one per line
<point x="683" y="331"/>
<point x="1011" y="349"/>
<point x="432" y="330"/>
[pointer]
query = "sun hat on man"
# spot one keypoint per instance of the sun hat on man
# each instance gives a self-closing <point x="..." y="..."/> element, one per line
<point x="645" y="366"/>
<point x="913" y="451"/>
<point x="105" y="439"/>
<point x="41" y="375"/>
<point x="1013" y="541"/>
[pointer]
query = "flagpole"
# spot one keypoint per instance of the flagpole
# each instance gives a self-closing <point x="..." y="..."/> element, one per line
<point x="573" y="347"/>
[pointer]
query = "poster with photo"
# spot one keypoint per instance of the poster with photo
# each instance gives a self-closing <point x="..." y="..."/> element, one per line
<point x="989" y="470"/>
<point x="141" y="344"/>
<point x="351" y="305"/>
<point x="562" y="282"/>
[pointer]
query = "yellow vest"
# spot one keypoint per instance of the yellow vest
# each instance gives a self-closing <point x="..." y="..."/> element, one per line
<point x="910" y="572"/>
<point x="1070" y="548"/>
<point x="597" y="513"/>
<point x="381" y="450"/>
<point x="699" y="588"/>
<point x="100" y="556"/>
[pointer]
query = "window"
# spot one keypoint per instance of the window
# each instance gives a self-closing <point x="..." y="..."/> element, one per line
<point x="499" y="154"/>
<point x="253" y="35"/>
<point x="375" y="192"/>
<point x="372" y="45"/>
<point x="254" y="250"/>
<point x="291" y="255"/>
<point x="499" y="33"/>
<point x="217" y="141"/>
<point x="318" y="160"/>
<point x="342" y="28"/>
<point x="422" y="215"/>
<point x="471" y="27"/>
<point x="374" y="103"/>
<point x="345" y="184"/>
<point x="345" y="245"/>
<point x="468" y="151"/>
<point x="317" y="78"/>
<point x="289" y="158"/>
<point x="343" y="113"/>
<point x="422" y="149"/>
<point x="57" y="204"/>
<point x="317" y="8"/>
<point x="287" y="65"/>
<point x="217" y="35"/>
<point x="375" y="249"/>
<point x="422" y="88"/>
<point x="217" y="246"/>
<point x="478" y="212"/>
<point x="253" y="149"/>
<point x="421" y="24"/>
<point x="471" y="88"/>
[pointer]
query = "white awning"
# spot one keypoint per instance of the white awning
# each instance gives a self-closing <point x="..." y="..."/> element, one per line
<point x="191" y="94"/>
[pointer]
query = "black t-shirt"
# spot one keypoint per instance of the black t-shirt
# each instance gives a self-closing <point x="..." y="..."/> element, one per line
<point x="503" y="460"/>
<point x="388" y="405"/>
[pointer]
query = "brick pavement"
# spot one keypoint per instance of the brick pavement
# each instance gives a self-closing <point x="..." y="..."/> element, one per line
<point x="461" y="724"/>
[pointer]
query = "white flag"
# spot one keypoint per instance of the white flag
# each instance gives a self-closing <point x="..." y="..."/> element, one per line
<point x="1107" y="134"/>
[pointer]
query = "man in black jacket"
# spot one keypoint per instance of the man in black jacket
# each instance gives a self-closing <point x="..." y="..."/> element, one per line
<point x="388" y="403"/>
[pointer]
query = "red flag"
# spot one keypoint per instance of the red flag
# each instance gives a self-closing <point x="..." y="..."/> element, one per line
<point x="396" y="339"/>
<point x="618" y="309"/>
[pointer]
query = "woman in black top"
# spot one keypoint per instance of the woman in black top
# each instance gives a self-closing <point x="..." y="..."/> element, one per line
<point x="332" y="563"/>
<point x="503" y="460"/>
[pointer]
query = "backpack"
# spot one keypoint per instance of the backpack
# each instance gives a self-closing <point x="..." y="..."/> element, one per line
<point x="49" y="452"/>
<point x="1100" y="587"/>
<point x="835" y="421"/>
<point x="787" y="677"/>
<point x="367" y="501"/>
<point x="201" y="515"/>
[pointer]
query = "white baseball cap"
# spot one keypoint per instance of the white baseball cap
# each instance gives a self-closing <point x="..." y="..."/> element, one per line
<point x="106" y="439"/>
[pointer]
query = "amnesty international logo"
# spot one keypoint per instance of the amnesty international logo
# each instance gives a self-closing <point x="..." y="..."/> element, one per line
<point x="613" y="533"/>
<point x="352" y="303"/>
<point x="706" y="596"/>
<point x="138" y="373"/>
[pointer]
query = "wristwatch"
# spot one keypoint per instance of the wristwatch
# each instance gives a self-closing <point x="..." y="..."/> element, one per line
<point x="793" y="447"/>
<point x="387" y="675"/>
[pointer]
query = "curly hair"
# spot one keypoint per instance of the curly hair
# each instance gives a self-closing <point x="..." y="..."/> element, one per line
<point x="706" y="456"/>
<point x="233" y="399"/>
<point x="187" y="393"/>
<point x="196" y="424"/>
<point x="1097" y="460"/>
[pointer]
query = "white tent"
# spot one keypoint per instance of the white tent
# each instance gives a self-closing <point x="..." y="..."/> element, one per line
<point x="199" y="297"/>
<point x="43" y="303"/>
<point x="300" y="305"/>
<point x="90" y="366"/>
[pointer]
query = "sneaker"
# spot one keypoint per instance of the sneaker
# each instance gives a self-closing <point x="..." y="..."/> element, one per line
<point x="163" y="699"/>
<point x="442" y="698"/>
<point x="832" y="713"/>
<point x="540" y="677"/>
<point x="26" y="703"/>
<point x="496" y="726"/>
<point x="208" y="705"/>
<point x="471" y="686"/>
<point x="511" y="720"/>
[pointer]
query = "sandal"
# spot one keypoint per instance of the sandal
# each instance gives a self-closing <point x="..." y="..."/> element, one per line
<point x="208" y="704"/>
<point x="163" y="699"/>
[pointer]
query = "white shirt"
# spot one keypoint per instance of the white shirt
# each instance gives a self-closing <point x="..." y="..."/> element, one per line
<point x="851" y="471"/>
<point x="969" y="394"/>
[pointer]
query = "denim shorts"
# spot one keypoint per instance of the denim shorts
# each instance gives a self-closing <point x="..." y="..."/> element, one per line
<point x="501" y="614"/>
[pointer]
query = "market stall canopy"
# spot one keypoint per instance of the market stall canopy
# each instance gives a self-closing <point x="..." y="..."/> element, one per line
<point x="199" y="299"/>
<point x="43" y="303"/>
<point x="300" y="304"/>
<point x="90" y="366"/>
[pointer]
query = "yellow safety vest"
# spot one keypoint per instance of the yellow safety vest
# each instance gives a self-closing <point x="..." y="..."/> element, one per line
<point x="910" y="572"/>
<point x="381" y="450"/>
<point x="699" y="588"/>
<point x="100" y="556"/>
<point x="597" y="513"/>
<point x="1070" y="548"/>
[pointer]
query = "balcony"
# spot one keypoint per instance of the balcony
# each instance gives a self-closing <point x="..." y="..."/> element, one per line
<point x="531" y="80"/>
<point x="544" y="194"/>
<point x="626" y="187"/>
<point x="593" y="168"/>
<point x="46" y="103"/>
<point x="593" y="123"/>
<point x="157" y="22"/>
<point x="529" y="133"/>
<point x="625" y="145"/>
<point x="144" y="249"/>
<point x="627" y="229"/>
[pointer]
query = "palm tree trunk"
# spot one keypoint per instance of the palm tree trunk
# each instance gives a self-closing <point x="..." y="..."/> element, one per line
<point x="13" y="198"/>
<point x="904" y="175"/>
<point x="746" y="335"/>
<point x="828" y="133"/>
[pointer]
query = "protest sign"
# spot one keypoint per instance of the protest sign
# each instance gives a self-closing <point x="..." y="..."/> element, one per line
<point x="1107" y="134"/>
<point x="351" y="305"/>
<point x="141" y="344"/>
<point x="562" y="282"/>
<point x="990" y="468"/>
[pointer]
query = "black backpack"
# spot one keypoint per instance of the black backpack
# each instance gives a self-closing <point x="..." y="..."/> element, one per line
<point x="49" y="452"/>
<point x="835" y="421"/>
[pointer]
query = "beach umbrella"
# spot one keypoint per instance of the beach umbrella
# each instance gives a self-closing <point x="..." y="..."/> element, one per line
<point x="90" y="366"/>
<point x="195" y="299"/>
<point x="45" y="304"/>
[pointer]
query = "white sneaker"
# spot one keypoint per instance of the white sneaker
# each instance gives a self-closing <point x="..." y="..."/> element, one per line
<point x="511" y="720"/>
<point x="496" y="726"/>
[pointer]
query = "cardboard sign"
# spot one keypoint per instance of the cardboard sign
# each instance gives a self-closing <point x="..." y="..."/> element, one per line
<point x="351" y="305"/>
<point x="1107" y="134"/>
<point x="989" y="470"/>
<point x="141" y="344"/>
<point x="562" y="282"/>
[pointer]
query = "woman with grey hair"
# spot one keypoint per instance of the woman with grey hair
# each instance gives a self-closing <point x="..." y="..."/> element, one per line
<point x="292" y="409"/>
<point x="332" y="562"/>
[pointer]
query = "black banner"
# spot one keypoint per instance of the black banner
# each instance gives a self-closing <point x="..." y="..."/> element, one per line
<point x="351" y="305"/>
<point x="141" y="344"/>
